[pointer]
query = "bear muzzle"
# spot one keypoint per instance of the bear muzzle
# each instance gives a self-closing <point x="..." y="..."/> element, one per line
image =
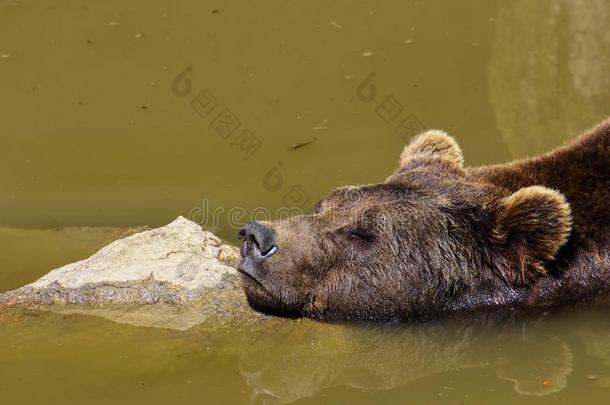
<point x="259" y="241"/>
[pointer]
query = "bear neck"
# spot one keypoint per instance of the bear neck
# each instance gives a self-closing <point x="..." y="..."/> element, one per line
<point x="579" y="170"/>
<point x="581" y="269"/>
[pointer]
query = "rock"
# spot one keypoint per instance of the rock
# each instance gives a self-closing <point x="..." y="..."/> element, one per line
<point x="174" y="264"/>
<point x="28" y="254"/>
<point x="176" y="276"/>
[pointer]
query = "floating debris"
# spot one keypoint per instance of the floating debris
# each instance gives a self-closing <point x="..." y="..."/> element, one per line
<point x="5" y="55"/>
<point x="113" y="23"/>
<point x="408" y="41"/>
<point x="336" y="25"/>
<point x="295" y="146"/>
<point x="215" y="11"/>
<point x="139" y="35"/>
<point x="348" y="77"/>
<point x="475" y="44"/>
<point x="319" y="128"/>
<point x="367" y="53"/>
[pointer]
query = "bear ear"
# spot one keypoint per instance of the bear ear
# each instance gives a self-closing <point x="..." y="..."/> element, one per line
<point x="531" y="225"/>
<point x="433" y="143"/>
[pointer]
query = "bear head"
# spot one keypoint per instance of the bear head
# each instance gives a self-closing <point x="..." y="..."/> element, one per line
<point x="407" y="248"/>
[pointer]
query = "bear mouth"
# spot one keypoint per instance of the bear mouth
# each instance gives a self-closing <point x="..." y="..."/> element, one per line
<point x="251" y="284"/>
<point x="261" y="298"/>
<point x="248" y="269"/>
<point x="249" y="277"/>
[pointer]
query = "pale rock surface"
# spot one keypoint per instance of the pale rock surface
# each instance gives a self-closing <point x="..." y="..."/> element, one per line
<point x="176" y="276"/>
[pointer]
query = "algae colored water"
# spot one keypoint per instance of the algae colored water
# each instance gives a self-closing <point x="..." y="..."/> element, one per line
<point x="118" y="114"/>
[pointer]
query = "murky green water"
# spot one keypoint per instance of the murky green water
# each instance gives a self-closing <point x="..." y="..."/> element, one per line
<point x="98" y="130"/>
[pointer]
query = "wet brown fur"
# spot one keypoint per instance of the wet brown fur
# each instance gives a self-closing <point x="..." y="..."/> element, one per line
<point x="437" y="237"/>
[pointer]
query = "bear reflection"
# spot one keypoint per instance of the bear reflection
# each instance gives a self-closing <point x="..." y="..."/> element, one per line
<point x="533" y="355"/>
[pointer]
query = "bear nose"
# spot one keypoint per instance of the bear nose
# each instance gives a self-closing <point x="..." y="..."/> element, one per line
<point x="257" y="238"/>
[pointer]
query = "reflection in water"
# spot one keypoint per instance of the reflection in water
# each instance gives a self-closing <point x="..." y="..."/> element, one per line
<point x="535" y="355"/>
<point x="548" y="73"/>
<point x="543" y="371"/>
<point x="289" y="364"/>
<point x="288" y="360"/>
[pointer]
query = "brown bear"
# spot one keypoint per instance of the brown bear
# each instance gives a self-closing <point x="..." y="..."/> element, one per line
<point x="437" y="237"/>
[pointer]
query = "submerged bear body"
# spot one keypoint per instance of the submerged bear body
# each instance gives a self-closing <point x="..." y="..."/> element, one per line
<point x="437" y="237"/>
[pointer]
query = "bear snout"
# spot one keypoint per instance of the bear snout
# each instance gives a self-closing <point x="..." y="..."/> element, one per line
<point x="259" y="241"/>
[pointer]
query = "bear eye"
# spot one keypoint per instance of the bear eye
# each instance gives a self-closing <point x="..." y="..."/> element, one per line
<point x="360" y="234"/>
